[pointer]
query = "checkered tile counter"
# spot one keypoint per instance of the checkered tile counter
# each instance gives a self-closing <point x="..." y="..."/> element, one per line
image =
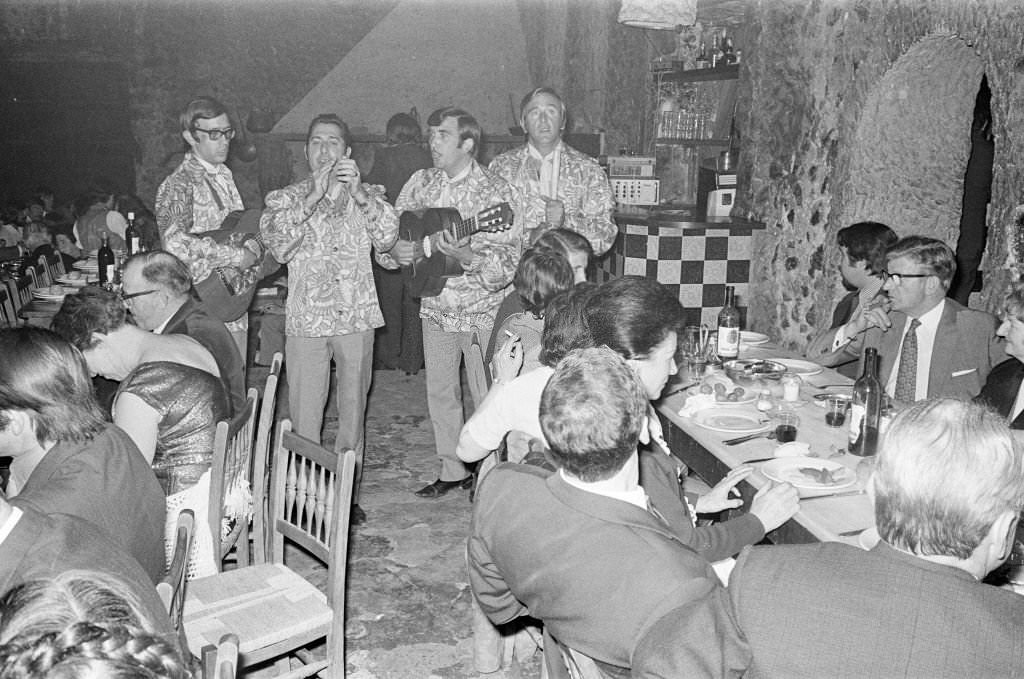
<point x="696" y="263"/>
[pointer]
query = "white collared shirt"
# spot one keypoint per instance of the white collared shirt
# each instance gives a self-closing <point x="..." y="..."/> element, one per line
<point x="926" y="333"/>
<point x="1018" y="404"/>
<point x="549" y="168"/>
<point x="636" y="497"/>
<point x="12" y="521"/>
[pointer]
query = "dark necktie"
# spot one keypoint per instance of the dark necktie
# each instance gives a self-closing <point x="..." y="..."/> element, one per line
<point x="906" y="378"/>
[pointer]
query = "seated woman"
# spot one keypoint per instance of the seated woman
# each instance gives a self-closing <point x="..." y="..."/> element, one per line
<point x="570" y="246"/>
<point x="540" y="276"/>
<point x="1003" y="389"/>
<point x="169" y="401"/>
<point x="83" y="624"/>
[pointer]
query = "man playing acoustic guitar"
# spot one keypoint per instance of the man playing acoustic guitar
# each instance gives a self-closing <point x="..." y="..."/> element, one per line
<point x="468" y="302"/>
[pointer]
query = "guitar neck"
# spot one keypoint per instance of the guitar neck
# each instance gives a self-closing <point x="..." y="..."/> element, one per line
<point x="467" y="227"/>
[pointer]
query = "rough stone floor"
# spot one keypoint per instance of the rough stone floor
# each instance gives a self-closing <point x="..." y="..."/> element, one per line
<point x="408" y="613"/>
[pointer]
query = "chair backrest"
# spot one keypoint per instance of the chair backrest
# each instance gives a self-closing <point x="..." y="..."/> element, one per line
<point x="8" y="317"/>
<point x="34" y="278"/>
<point x="21" y="291"/>
<point x="476" y="371"/>
<point x="172" y="588"/>
<point x="56" y="266"/>
<point x="311" y="503"/>
<point x="45" y="276"/>
<point x="260" y="455"/>
<point x="230" y="479"/>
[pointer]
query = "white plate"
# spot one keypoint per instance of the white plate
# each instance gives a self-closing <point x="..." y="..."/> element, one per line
<point x="87" y="265"/>
<point x="798" y="367"/>
<point x="752" y="338"/>
<point x="749" y="396"/>
<point x="52" y="293"/>
<point x="787" y="470"/>
<point x="731" y="420"/>
<point x="868" y="539"/>
<point x="73" y="282"/>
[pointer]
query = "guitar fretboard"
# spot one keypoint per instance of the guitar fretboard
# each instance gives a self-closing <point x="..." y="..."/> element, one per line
<point x="467" y="227"/>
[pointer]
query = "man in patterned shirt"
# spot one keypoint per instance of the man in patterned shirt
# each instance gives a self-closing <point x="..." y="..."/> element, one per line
<point x="324" y="227"/>
<point x="198" y="195"/>
<point x="559" y="186"/>
<point x="468" y="303"/>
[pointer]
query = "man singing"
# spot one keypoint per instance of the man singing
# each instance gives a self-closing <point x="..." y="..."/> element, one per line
<point x="324" y="228"/>
<point x="198" y="195"/>
<point x="468" y="303"/>
<point x="559" y="185"/>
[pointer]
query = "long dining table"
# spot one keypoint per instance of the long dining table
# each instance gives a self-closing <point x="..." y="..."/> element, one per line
<point x="838" y="516"/>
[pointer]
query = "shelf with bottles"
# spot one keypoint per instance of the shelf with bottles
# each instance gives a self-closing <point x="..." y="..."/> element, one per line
<point x="696" y="75"/>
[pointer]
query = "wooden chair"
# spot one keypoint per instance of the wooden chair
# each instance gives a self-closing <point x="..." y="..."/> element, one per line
<point x="274" y="610"/>
<point x="230" y="480"/>
<point x="260" y="455"/>
<point x="221" y="661"/>
<point x="172" y="588"/>
<point x="8" y="317"/>
<point x="46" y="276"/>
<point x="476" y="371"/>
<point x="21" y="291"/>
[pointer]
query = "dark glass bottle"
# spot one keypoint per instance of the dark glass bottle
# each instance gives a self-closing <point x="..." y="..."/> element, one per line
<point x="729" y="327"/>
<point x="106" y="262"/>
<point x="866" y="408"/>
<point x="132" y="237"/>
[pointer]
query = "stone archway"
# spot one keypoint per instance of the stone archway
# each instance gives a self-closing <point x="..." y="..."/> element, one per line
<point x="913" y="141"/>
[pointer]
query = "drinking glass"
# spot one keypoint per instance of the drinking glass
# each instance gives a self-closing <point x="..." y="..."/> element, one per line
<point x="786" y="426"/>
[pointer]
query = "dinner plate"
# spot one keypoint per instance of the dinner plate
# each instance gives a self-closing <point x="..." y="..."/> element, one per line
<point x="731" y="420"/>
<point x="868" y="539"/>
<point x="752" y="338"/>
<point x="749" y="396"/>
<point x="90" y="265"/>
<point x="73" y="282"/>
<point x="52" y="293"/>
<point x="787" y="470"/>
<point x="798" y="367"/>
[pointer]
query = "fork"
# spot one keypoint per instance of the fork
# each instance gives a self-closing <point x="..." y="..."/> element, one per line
<point x="770" y="435"/>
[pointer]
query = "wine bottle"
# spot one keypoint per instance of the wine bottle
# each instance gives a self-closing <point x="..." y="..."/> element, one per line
<point x="729" y="326"/>
<point x="702" y="59"/>
<point x="106" y="262"/>
<point x="131" y="237"/>
<point x="728" y="55"/>
<point x="717" y="56"/>
<point x="866" y="408"/>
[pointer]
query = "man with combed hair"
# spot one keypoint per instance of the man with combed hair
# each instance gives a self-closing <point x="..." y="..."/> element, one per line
<point x="928" y="346"/>
<point x="586" y="551"/>
<point x="65" y="457"/>
<point x="325" y="227"/>
<point x="559" y="186"/>
<point x="198" y="195"/>
<point x="157" y="289"/>
<point x="948" y="487"/>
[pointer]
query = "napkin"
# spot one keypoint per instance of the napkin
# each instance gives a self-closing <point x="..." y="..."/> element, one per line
<point x="696" y="403"/>
<point x="793" y="449"/>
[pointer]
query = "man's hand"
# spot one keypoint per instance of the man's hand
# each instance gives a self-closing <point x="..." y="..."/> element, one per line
<point x="874" y="315"/>
<point x="507" y="360"/>
<point x="720" y="497"/>
<point x="775" y="504"/>
<point x="347" y="173"/>
<point x="248" y="258"/>
<point x="459" y="249"/>
<point x="321" y="182"/>
<point x="554" y="212"/>
<point x="406" y="252"/>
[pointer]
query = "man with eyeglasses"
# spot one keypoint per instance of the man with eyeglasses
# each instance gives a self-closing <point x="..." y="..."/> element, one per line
<point x="929" y="346"/>
<point x="157" y="290"/>
<point x="198" y="195"/>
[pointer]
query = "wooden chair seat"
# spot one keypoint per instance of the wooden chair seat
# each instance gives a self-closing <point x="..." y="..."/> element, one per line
<point x="264" y="605"/>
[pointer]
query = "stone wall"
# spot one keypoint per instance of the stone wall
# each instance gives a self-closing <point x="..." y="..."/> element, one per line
<point x="862" y="110"/>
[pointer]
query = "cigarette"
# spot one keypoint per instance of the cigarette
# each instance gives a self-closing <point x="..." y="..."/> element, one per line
<point x="511" y="334"/>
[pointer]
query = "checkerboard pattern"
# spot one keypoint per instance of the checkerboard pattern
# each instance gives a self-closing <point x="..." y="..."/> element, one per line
<point x="696" y="263"/>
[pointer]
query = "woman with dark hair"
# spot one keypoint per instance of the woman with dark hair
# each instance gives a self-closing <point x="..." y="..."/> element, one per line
<point x="83" y="624"/>
<point x="399" y="343"/>
<point x="169" y="400"/>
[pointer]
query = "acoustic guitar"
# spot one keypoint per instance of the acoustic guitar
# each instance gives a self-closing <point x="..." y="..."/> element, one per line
<point x="427" y="277"/>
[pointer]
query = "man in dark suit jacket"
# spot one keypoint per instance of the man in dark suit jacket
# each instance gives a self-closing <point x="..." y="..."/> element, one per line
<point x="585" y="551"/>
<point x="65" y="458"/>
<point x="158" y="291"/>
<point x="37" y="545"/>
<point x="947" y="490"/>
<point x="961" y="343"/>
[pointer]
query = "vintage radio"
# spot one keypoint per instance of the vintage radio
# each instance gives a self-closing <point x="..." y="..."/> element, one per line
<point x="637" y="191"/>
<point x="631" y="166"/>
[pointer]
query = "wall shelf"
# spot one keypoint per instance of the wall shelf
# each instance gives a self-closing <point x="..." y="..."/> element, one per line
<point x="693" y="142"/>
<point x="697" y="75"/>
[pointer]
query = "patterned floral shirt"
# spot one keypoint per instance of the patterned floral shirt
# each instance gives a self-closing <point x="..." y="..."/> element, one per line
<point x="186" y="204"/>
<point x="472" y="299"/>
<point x="330" y="282"/>
<point x="582" y="187"/>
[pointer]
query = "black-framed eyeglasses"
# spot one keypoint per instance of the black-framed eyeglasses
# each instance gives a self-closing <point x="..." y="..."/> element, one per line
<point x="897" y="278"/>
<point x="133" y="295"/>
<point x="215" y="133"/>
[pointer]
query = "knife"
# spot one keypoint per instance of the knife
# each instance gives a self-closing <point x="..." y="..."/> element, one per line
<point x="759" y="459"/>
<point x="749" y="437"/>
<point x="843" y="494"/>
